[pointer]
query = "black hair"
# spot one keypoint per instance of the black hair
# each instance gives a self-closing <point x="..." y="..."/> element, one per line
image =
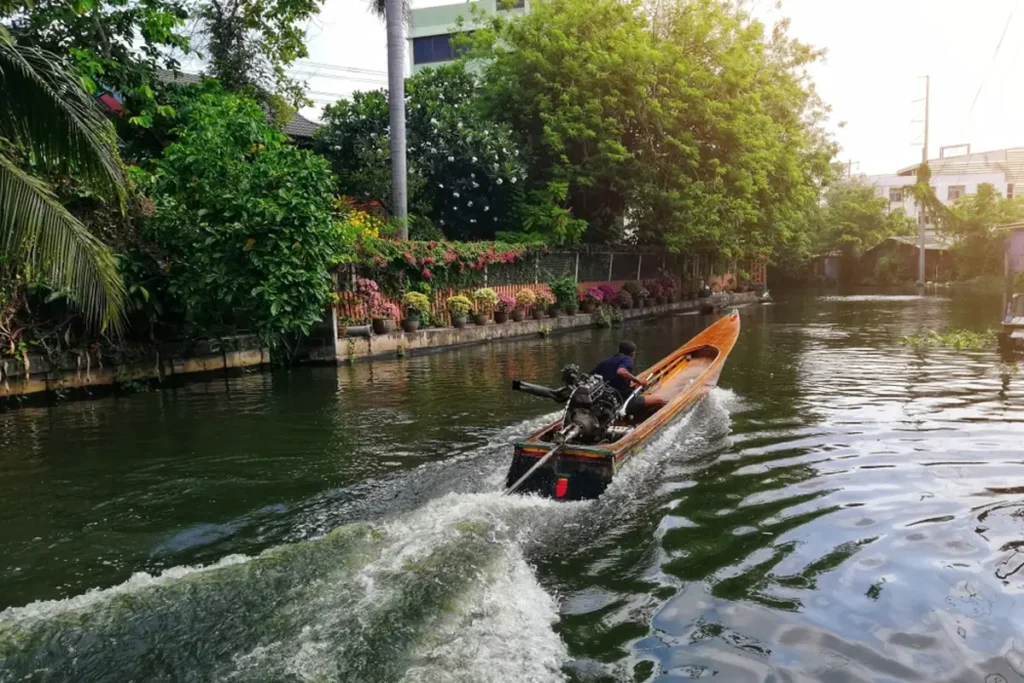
<point x="627" y="348"/>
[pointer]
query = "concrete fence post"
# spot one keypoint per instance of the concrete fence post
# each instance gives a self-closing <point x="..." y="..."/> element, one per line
<point x="611" y="259"/>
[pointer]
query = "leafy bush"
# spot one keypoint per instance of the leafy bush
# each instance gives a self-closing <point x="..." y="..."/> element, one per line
<point x="526" y="298"/>
<point x="607" y="316"/>
<point x="655" y="289"/>
<point x="459" y="305"/>
<point x="565" y="291"/>
<point x="544" y="300"/>
<point x="634" y="288"/>
<point x="244" y="221"/>
<point x="623" y="299"/>
<point x="417" y="305"/>
<point x="505" y="304"/>
<point x="485" y="298"/>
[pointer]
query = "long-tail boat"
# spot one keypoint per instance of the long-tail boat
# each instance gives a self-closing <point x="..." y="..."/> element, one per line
<point x="578" y="455"/>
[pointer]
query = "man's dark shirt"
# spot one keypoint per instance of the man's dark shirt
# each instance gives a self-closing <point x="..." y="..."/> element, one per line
<point x="608" y="369"/>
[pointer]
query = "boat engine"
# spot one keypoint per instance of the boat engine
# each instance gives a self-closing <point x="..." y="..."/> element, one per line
<point x="591" y="405"/>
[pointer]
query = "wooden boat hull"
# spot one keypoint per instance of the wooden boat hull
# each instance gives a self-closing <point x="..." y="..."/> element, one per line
<point x="580" y="472"/>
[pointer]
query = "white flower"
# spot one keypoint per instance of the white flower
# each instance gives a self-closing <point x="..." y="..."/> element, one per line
<point x="469" y="203"/>
<point x="495" y="219"/>
<point x="487" y="208"/>
<point x="499" y="181"/>
<point x="476" y="184"/>
<point x="513" y="180"/>
<point x="460" y="124"/>
<point x="451" y="158"/>
<point x="441" y="185"/>
<point x="471" y="175"/>
<point x="505" y="151"/>
<point x="433" y="121"/>
<point x="455" y="194"/>
<point x="474" y="161"/>
<point x="441" y="221"/>
<point x="472" y="220"/>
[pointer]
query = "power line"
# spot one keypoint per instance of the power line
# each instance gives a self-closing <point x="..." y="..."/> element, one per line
<point x="353" y="79"/>
<point x="995" y="54"/>
<point x="303" y="63"/>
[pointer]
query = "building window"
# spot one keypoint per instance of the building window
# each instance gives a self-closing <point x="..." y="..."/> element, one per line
<point x="431" y="49"/>
<point x="954" y="192"/>
<point x="1009" y="190"/>
<point x="895" y="194"/>
<point x="511" y="4"/>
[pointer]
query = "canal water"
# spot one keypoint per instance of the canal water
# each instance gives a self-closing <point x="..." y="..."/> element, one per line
<point x="842" y="508"/>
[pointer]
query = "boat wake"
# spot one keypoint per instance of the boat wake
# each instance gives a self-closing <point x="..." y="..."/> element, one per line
<point x="443" y="592"/>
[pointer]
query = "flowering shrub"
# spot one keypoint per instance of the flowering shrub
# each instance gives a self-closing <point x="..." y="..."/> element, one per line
<point x="623" y="299"/>
<point x="544" y="300"/>
<point x="505" y="304"/>
<point x="607" y="292"/>
<point x="655" y="289"/>
<point x="445" y="265"/>
<point x="634" y="288"/>
<point x="594" y="295"/>
<point x="526" y="298"/>
<point x="384" y="310"/>
<point x="485" y="299"/>
<point x="417" y="305"/>
<point x="367" y="289"/>
<point x="669" y="284"/>
<point x="459" y="305"/>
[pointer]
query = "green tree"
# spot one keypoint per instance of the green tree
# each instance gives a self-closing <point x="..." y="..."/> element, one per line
<point x="111" y="44"/>
<point x="244" y="221"/>
<point x="693" y="122"/>
<point x="250" y="43"/>
<point x="972" y="223"/>
<point x="465" y="171"/>
<point x="49" y="125"/>
<point x="854" y="219"/>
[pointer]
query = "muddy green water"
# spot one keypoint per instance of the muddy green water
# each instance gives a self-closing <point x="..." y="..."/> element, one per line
<point x="842" y="508"/>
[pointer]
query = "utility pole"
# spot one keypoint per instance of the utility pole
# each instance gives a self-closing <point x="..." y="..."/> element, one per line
<point x="849" y="167"/>
<point x="922" y="219"/>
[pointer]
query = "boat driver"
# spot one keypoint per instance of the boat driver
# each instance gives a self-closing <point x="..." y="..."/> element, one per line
<point x="617" y="371"/>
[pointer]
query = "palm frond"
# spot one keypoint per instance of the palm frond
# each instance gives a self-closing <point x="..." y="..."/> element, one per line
<point x="37" y="230"/>
<point x="380" y="9"/>
<point x="45" y="111"/>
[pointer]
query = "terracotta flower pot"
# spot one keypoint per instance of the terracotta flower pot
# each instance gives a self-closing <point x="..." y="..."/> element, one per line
<point x="538" y="314"/>
<point x="480" y="319"/>
<point x="571" y="310"/>
<point x="501" y="316"/>
<point x="555" y="312"/>
<point x="588" y="307"/>
<point x="410" y="325"/>
<point x="518" y="315"/>
<point x="383" y="325"/>
<point x="459" y="321"/>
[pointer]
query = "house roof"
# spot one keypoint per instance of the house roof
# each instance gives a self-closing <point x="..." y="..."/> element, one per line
<point x="296" y="127"/>
<point x="932" y="241"/>
<point x="1009" y="162"/>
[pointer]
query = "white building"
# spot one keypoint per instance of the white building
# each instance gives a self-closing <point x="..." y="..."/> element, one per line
<point x="431" y="29"/>
<point x="955" y="177"/>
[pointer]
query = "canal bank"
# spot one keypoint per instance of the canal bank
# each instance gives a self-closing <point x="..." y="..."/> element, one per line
<point x="350" y="348"/>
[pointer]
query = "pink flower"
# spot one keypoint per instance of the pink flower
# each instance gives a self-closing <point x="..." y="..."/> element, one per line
<point x="426" y="273"/>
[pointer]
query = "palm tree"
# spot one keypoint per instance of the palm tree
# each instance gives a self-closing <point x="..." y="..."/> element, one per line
<point x="393" y="12"/>
<point x="48" y="119"/>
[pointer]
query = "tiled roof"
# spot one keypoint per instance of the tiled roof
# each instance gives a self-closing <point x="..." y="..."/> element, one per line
<point x="298" y="127"/>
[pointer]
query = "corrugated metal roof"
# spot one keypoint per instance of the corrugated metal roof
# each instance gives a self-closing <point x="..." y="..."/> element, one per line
<point x="932" y="241"/>
<point x="1009" y="162"/>
<point x="297" y="127"/>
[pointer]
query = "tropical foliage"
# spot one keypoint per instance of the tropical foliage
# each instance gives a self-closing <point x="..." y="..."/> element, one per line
<point x="244" y="222"/>
<point x="971" y="224"/>
<point x="853" y="219"/>
<point x="49" y="125"/>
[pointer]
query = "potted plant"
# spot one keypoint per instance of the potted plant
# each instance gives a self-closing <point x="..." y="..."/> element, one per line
<point x="544" y="302"/>
<point x="591" y="299"/>
<point x="744" y="281"/>
<point x="383" y="314"/>
<point x="643" y="296"/>
<point x="670" y="287"/>
<point x="624" y="300"/>
<point x="505" y="305"/>
<point x="525" y="299"/>
<point x="417" y="310"/>
<point x="656" y="292"/>
<point x="459" y="307"/>
<point x="634" y="288"/>
<point x="566" y="294"/>
<point x="608" y="292"/>
<point x="485" y="298"/>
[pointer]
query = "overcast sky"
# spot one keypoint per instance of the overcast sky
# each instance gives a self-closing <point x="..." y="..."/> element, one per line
<point x="878" y="51"/>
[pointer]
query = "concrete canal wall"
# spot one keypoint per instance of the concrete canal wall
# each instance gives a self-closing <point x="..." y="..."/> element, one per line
<point x="169" y="362"/>
<point x="349" y="349"/>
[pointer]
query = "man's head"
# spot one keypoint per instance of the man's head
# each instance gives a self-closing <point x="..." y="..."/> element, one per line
<point x="627" y="348"/>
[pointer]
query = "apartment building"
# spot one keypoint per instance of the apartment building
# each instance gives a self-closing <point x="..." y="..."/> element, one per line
<point x="431" y="29"/>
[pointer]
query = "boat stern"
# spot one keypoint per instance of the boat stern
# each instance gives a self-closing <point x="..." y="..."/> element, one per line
<point x="577" y="473"/>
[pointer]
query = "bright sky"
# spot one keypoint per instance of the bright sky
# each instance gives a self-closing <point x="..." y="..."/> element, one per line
<point x="878" y="52"/>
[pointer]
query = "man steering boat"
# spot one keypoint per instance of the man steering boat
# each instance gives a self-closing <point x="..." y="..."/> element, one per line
<point x="617" y="372"/>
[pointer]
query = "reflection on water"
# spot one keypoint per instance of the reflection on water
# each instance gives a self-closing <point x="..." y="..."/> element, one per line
<point x="844" y="509"/>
